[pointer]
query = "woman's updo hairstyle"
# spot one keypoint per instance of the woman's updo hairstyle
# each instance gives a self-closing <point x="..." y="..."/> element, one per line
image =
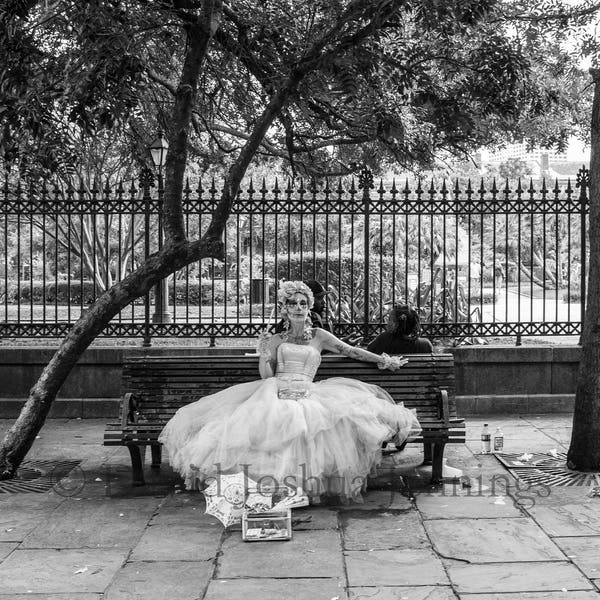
<point x="287" y="290"/>
<point x="404" y="321"/>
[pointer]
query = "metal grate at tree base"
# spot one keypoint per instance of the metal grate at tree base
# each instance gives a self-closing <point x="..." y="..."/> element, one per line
<point x="547" y="469"/>
<point x="39" y="476"/>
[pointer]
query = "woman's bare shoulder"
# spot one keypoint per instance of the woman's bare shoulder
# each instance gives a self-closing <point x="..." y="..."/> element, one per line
<point x="322" y="335"/>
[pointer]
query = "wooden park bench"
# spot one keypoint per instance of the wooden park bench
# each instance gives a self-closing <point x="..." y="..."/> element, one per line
<point x="156" y="386"/>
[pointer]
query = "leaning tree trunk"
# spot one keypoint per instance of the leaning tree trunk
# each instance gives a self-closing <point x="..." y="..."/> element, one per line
<point x="584" y="451"/>
<point x="176" y="253"/>
<point x="20" y="436"/>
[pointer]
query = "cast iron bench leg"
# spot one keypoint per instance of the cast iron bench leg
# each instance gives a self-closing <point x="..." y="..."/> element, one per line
<point x="156" y="456"/>
<point x="438" y="462"/>
<point x="137" y="463"/>
<point x="427" y="453"/>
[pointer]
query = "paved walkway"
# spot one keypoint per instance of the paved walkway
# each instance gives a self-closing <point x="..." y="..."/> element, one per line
<point x="94" y="536"/>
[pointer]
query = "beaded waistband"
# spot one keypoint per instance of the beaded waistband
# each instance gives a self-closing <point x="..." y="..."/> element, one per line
<point x="291" y="394"/>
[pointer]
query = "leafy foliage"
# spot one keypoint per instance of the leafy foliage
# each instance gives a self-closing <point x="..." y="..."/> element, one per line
<point x="403" y="80"/>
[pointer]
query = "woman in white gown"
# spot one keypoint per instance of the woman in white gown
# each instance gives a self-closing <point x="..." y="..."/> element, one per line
<point x="324" y="437"/>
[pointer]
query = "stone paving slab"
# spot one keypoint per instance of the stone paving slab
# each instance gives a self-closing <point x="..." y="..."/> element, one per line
<point x="83" y="596"/>
<point x="448" y="506"/>
<point x="60" y="571"/>
<point x="184" y="515"/>
<point x="276" y="589"/>
<point x="308" y="554"/>
<point x="559" y="496"/>
<point x="570" y="595"/>
<point x="177" y="542"/>
<point x="582" y="519"/>
<point x="394" y="568"/>
<point x="402" y="593"/>
<point x="380" y="500"/>
<point x="384" y="531"/>
<point x="563" y="595"/>
<point x="21" y="513"/>
<point x="535" y="442"/>
<point x="492" y="540"/>
<point x="94" y="523"/>
<point x="91" y="452"/>
<point x="6" y="548"/>
<point x="516" y="577"/>
<point x="584" y="552"/>
<point x="160" y="581"/>
<point x="180" y="498"/>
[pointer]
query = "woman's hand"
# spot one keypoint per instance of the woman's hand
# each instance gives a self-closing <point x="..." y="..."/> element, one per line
<point x="263" y="345"/>
<point x="265" y="351"/>
<point x="393" y="363"/>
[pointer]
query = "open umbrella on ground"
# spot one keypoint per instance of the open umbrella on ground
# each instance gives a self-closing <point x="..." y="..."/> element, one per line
<point x="227" y="496"/>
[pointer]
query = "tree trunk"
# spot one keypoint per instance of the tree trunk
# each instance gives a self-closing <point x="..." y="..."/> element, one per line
<point x="176" y="253"/>
<point x="584" y="451"/>
<point x="20" y="436"/>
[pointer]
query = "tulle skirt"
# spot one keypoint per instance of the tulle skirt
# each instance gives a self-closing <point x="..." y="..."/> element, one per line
<point x="326" y="438"/>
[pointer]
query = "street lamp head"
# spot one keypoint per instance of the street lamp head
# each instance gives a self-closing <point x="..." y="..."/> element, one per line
<point x="158" y="150"/>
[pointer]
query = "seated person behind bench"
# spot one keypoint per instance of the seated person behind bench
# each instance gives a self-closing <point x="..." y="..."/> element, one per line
<point x="285" y="426"/>
<point x="402" y="335"/>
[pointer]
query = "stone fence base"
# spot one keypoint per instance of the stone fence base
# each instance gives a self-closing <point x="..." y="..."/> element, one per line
<point x="489" y="379"/>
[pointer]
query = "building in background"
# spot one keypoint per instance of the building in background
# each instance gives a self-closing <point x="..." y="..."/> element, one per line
<point x="543" y="162"/>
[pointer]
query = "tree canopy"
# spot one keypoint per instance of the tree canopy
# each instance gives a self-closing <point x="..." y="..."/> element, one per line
<point x="377" y="80"/>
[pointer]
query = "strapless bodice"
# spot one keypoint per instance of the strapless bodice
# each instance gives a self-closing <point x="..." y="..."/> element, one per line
<point x="297" y="363"/>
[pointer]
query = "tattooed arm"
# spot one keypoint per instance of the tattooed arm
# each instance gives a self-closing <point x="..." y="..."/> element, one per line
<point x="267" y="352"/>
<point x="333" y="344"/>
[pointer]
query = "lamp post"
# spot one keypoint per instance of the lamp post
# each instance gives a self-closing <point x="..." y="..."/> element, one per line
<point x="158" y="151"/>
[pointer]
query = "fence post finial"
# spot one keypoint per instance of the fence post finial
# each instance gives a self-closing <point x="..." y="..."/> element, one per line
<point x="365" y="180"/>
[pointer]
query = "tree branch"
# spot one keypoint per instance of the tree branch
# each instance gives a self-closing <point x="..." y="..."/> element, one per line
<point x="198" y="38"/>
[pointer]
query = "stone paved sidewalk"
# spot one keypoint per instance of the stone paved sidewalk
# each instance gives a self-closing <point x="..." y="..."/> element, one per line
<point x="94" y="536"/>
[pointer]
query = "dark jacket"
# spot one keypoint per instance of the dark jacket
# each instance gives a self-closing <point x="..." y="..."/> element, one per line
<point x="393" y="344"/>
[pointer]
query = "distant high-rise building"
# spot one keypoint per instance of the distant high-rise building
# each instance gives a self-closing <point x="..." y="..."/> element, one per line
<point x="544" y="162"/>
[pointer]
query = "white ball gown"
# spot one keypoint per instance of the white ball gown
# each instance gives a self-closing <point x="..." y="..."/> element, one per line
<point x="287" y="428"/>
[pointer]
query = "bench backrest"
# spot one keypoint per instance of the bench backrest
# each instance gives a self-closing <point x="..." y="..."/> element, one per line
<point x="162" y="384"/>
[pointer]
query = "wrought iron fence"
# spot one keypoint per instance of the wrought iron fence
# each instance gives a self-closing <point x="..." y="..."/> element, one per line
<point x="475" y="261"/>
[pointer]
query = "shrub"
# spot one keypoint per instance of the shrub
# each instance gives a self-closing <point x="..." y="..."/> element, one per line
<point x="488" y="297"/>
<point x="66" y="292"/>
<point x="572" y="295"/>
<point x="207" y="291"/>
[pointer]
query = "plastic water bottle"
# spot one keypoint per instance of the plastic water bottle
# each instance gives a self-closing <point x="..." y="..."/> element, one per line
<point x="498" y="440"/>
<point x="486" y="440"/>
